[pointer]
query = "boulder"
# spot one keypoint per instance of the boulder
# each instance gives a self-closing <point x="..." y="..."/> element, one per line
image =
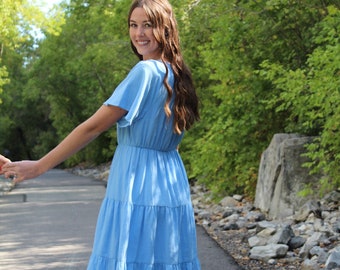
<point x="264" y="253"/>
<point x="281" y="176"/>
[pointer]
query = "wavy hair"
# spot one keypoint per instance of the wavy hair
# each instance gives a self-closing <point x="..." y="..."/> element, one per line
<point x="165" y="30"/>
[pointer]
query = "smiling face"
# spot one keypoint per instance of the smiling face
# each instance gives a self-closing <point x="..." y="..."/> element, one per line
<point x="141" y="35"/>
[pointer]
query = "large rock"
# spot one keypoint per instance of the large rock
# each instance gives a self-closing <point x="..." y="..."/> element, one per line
<point x="281" y="176"/>
<point x="264" y="253"/>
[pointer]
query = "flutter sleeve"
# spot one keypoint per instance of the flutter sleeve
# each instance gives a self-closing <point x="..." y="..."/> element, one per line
<point x="130" y="94"/>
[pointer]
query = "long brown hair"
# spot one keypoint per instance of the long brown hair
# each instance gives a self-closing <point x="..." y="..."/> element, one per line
<point x="165" y="31"/>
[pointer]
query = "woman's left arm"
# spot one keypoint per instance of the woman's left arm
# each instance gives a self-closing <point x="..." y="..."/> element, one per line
<point x="104" y="118"/>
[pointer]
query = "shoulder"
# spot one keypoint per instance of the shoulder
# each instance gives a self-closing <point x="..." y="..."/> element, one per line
<point x="150" y="70"/>
<point x="149" y="66"/>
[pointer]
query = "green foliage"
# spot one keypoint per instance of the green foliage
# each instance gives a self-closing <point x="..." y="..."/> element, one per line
<point x="253" y="52"/>
<point x="79" y="69"/>
<point x="8" y="35"/>
<point x="3" y="78"/>
<point x="312" y="96"/>
<point x="18" y="19"/>
<point x="20" y="119"/>
<point x="260" y="68"/>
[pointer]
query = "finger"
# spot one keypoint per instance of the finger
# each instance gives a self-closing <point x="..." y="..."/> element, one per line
<point x="8" y="168"/>
<point x="8" y="165"/>
<point x="17" y="180"/>
<point x="10" y="174"/>
<point x="4" y="167"/>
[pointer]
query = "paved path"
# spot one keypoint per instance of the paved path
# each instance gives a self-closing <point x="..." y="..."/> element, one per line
<point x="48" y="223"/>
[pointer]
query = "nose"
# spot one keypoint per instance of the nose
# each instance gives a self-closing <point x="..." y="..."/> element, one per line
<point x="140" y="31"/>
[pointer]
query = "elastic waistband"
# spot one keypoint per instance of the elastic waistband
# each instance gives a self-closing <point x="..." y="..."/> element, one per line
<point x="147" y="148"/>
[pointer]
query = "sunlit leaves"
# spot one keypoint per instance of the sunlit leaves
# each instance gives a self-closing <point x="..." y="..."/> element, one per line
<point x="311" y="95"/>
<point x="268" y="63"/>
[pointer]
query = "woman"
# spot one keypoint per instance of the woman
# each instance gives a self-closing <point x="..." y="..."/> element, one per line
<point x="146" y="219"/>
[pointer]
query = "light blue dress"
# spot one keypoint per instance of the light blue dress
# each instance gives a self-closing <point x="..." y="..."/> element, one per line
<point x="146" y="220"/>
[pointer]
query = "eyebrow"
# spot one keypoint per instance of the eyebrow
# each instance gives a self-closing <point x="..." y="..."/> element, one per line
<point x="143" y="21"/>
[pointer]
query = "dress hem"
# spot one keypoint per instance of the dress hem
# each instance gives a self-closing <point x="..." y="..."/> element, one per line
<point x="103" y="263"/>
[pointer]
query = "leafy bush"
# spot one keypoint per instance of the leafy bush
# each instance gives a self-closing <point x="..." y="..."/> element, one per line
<point x="312" y="96"/>
<point x="267" y="62"/>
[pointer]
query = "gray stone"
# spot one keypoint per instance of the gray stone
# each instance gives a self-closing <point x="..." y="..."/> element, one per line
<point x="309" y="265"/>
<point x="281" y="176"/>
<point x="241" y="223"/>
<point x="265" y="224"/>
<point x="265" y="253"/>
<point x="282" y="236"/>
<point x="267" y="233"/>
<point x="296" y="242"/>
<point x="310" y="206"/>
<point x="255" y="216"/>
<point x="204" y="214"/>
<point x="272" y="262"/>
<point x="227" y="213"/>
<point x="310" y="243"/>
<point x="230" y="226"/>
<point x="256" y="241"/>
<point x="233" y="217"/>
<point x="320" y="253"/>
<point x="237" y="197"/>
<point x="333" y="196"/>
<point x="228" y="202"/>
<point x="333" y="260"/>
<point x="336" y="226"/>
<point x="251" y="226"/>
<point x="319" y="225"/>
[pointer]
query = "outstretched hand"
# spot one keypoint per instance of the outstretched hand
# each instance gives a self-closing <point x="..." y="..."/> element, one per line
<point x="21" y="170"/>
<point x="3" y="160"/>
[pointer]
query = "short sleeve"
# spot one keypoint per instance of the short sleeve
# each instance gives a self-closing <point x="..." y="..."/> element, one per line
<point x="131" y="93"/>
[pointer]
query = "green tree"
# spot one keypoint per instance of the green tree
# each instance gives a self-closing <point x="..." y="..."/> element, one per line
<point x="78" y="70"/>
<point x="18" y="19"/>
<point x="260" y="68"/>
<point x="17" y="116"/>
<point x="311" y="94"/>
<point x="235" y="40"/>
<point x="8" y="34"/>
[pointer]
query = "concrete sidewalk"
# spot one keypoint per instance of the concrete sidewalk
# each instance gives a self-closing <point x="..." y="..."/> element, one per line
<point x="49" y="223"/>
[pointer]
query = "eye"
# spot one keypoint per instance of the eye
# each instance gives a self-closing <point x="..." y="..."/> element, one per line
<point x="148" y="25"/>
<point x="133" y="25"/>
